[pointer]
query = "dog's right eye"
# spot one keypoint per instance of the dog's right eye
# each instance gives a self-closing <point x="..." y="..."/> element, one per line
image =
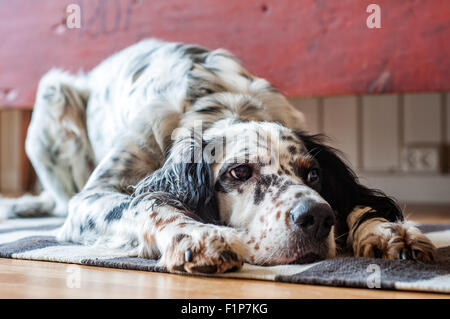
<point x="242" y="172"/>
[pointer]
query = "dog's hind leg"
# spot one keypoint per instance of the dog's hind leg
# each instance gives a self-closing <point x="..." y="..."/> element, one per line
<point x="57" y="145"/>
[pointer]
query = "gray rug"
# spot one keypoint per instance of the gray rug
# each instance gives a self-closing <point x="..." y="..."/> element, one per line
<point x="34" y="239"/>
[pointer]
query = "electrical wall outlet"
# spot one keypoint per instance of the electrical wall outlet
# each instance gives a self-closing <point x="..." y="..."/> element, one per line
<point x="422" y="158"/>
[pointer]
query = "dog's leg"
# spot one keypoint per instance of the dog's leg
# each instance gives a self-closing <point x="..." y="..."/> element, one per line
<point x="105" y="214"/>
<point x="372" y="236"/>
<point x="57" y="146"/>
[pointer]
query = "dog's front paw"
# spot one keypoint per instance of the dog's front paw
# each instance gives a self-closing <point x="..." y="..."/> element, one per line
<point x="392" y="241"/>
<point x="208" y="249"/>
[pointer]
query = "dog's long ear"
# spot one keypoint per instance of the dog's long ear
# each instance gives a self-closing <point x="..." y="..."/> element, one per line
<point x="185" y="181"/>
<point x="340" y="186"/>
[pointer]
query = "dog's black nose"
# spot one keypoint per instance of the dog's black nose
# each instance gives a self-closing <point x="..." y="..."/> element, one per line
<point x="313" y="219"/>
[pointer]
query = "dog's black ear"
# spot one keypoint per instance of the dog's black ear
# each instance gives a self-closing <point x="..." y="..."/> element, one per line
<point x="185" y="182"/>
<point x="340" y="186"/>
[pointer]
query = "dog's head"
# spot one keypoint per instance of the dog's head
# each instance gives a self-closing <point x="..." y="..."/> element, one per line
<point x="287" y="192"/>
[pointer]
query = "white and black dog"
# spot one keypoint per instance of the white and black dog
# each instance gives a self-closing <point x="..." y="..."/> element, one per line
<point x="173" y="151"/>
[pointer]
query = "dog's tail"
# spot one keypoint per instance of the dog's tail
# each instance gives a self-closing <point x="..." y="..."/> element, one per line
<point x="27" y="206"/>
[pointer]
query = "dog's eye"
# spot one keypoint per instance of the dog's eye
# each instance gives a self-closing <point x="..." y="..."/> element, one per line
<point x="313" y="176"/>
<point x="242" y="172"/>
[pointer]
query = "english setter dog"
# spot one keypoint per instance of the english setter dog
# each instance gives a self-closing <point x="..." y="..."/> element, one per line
<point x="173" y="151"/>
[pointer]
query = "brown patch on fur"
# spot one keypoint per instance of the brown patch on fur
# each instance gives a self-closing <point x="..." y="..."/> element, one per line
<point x="302" y="162"/>
<point x="153" y="215"/>
<point x="261" y="218"/>
<point x="286" y="220"/>
<point x="298" y="195"/>
<point x="256" y="247"/>
<point x="149" y="238"/>
<point x="277" y="216"/>
<point x="164" y="222"/>
<point x="158" y="222"/>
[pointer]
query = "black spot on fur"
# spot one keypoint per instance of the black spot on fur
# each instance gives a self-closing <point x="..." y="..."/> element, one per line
<point x="263" y="185"/>
<point x="93" y="197"/>
<point x="105" y="174"/>
<point x="116" y="212"/>
<point x="285" y="170"/>
<point x="139" y="72"/>
<point x="292" y="149"/>
<point x="287" y="138"/>
<point x="282" y="188"/>
<point x="246" y="76"/>
<point x="210" y="109"/>
<point x="180" y="237"/>
<point x="91" y="224"/>
<point x="259" y="195"/>
<point x="195" y="50"/>
<point x="115" y="159"/>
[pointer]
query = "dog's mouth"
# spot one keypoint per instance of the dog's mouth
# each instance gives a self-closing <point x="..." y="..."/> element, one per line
<point x="307" y="259"/>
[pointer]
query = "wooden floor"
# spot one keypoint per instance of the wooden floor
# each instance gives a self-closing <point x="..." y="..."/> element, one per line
<point x="34" y="279"/>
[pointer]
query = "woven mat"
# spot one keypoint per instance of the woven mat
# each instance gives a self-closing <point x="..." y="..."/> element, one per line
<point x="34" y="239"/>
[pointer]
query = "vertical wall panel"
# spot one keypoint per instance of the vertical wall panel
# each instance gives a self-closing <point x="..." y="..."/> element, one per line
<point x="447" y="124"/>
<point x="340" y="122"/>
<point x="309" y="107"/>
<point x="10" y="146"/>
<point x="447" y="111"/>
<point x="422" y="118"/>
<point x="380" y="144"/>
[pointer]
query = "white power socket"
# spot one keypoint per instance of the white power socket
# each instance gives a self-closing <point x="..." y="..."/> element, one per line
<point x="421" y="159"/>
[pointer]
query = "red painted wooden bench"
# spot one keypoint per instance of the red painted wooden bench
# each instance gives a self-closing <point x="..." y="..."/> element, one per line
<point x="304" y="47"/>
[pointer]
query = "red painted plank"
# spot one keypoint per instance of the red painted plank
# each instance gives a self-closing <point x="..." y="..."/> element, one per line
<point x="304" y="47"/>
